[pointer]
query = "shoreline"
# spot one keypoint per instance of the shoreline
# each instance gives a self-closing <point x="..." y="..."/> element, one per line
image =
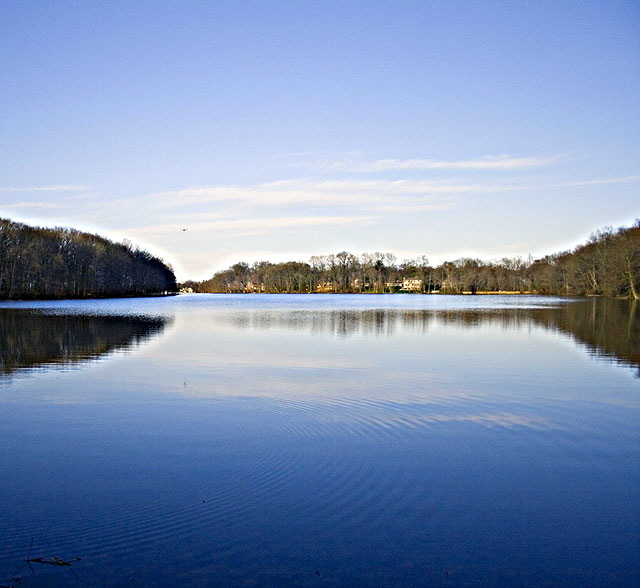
<point x="90" y="297"/>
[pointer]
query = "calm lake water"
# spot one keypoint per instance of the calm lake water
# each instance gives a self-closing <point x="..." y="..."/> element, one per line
<point x="320" y="441"/>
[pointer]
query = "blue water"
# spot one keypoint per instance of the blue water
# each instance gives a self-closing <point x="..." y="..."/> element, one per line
<point x="389" y="440"/>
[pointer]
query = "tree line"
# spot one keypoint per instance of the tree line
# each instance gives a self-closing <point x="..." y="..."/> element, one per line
<point x="66" y="263"/>
<point x="607" y="264"/>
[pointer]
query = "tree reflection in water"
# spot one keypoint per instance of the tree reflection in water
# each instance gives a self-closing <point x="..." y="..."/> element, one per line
<point x="30" y="339"/>
<point x="609" y="328"/>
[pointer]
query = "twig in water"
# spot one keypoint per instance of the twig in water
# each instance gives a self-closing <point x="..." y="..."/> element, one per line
<point x="53" y="561"/>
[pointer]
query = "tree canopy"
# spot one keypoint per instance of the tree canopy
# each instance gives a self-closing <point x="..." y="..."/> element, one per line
<point x="66" y="263"/>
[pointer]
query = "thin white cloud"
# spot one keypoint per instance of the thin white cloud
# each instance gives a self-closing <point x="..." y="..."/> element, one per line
<point x="251" y="226"/>
<point x="619" y="180"/>
<point x="370" y="193"/>
<point x="32" y="205"/>
<point x="489" y="162"/>
<point x="60" y="188"/>
<point x="311" y="192"/>
<point x="408" y="207"/>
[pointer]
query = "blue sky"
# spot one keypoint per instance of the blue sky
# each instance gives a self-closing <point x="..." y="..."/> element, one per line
<point x="280" y="130"/>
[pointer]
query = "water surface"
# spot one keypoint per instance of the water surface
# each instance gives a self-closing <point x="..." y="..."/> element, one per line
<point x="213" y="440"/>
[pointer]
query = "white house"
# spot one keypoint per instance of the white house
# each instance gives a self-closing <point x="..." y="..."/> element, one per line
<point x="412" y="284"/>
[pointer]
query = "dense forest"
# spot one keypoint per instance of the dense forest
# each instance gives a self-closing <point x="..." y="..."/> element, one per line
<point x="608" y="264"/>
<point x="65" y="263"/>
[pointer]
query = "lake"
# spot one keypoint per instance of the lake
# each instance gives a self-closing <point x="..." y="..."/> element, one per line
<point x="320" y="441"/>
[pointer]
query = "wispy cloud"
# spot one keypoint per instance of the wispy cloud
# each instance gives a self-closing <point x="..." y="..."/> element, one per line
<point x="251" y="226"/>
<point x="602" y="181"/>
<point x="312" y="192"/>
<point x="365" y="194"/>
<point x="32" y="205"/>
<point x="59" y="188"/>
<point x="489" y="162"/>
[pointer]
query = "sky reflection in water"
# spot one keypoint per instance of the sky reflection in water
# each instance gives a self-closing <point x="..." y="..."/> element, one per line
<point x="329" y="441"/>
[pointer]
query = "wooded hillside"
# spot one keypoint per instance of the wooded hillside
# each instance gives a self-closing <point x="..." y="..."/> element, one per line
<point x="608" y="264"/>
<point x="65" y="263"/>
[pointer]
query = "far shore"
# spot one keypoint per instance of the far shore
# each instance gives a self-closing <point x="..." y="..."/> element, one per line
<point x="436" y="292"/>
